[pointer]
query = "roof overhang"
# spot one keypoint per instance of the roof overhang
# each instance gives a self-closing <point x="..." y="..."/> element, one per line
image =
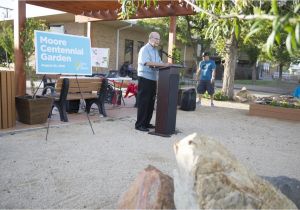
<point x="109" y="10"/>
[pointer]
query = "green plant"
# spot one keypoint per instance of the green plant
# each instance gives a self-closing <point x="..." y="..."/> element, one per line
<point x="27" y="40"/>
<point x="176" y="55"/>
<point x="27" y="44"/>
<point x="7" y="40"/>
<point x="285" y="104"/>
<point x="274" y="103"/>
<point x="218" y="96"/>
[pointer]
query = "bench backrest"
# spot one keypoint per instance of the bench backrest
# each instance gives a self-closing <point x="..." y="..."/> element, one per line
<point x="86" y="84"/>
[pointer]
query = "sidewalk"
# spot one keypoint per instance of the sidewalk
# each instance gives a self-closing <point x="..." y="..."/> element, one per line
<point x="256" y="88"/>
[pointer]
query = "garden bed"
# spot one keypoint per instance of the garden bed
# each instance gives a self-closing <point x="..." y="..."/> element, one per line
<point x="274" y="112"/>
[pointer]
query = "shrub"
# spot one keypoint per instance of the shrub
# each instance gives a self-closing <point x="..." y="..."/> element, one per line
<point x="218" y="96"/>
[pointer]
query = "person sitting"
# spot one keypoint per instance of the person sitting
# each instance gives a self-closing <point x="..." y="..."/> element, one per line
<point x="124" y="69"/>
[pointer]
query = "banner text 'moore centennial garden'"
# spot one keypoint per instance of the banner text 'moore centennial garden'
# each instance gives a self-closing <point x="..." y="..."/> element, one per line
<point x="62" y="54"/>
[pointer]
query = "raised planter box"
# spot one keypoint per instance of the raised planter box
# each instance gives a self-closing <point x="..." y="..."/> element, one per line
<point x="274" y="112"/>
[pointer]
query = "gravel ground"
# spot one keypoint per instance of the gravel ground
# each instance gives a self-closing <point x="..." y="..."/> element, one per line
<point x="76" y="169"/>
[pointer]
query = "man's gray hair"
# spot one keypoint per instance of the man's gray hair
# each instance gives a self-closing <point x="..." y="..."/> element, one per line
<point x="151" y="34"/>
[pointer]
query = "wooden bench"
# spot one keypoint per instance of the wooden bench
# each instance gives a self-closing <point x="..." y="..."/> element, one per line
<point x="91" y="89"/>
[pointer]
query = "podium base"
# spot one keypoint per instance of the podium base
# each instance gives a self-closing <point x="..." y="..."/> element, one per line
<point x="159" y="134"/>
<point x="163" y="135"/>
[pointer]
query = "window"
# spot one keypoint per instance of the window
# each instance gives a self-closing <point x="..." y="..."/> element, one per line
<point x="128" y="55"/>
<point x="57" y="29"/>
<point x="140" y="44"/>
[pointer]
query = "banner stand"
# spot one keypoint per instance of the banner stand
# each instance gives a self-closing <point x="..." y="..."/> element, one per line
<point x="87" y="115"/>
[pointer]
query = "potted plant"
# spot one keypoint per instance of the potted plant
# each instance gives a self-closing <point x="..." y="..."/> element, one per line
<point x="31" y="109"/>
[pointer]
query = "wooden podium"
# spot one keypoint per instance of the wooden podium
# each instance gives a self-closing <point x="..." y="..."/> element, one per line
<point x="167" y="93"/>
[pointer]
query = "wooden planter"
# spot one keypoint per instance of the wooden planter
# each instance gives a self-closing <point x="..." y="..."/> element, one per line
<point x="33" y="111"/>
<point x="7" y="99"/>
<point x="274" y="112"/>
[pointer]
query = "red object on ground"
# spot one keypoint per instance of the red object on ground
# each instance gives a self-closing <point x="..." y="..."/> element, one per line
<point x="132" y="88"/>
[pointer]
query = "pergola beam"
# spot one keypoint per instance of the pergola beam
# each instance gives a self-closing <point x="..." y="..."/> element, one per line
<point x="172" y="37"/>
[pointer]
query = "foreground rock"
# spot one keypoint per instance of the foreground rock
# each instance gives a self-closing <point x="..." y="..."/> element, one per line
<point x="151" y="190"/>
<point x="210" y="177"/>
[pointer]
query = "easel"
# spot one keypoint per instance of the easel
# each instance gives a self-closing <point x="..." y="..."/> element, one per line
<point x="49" y="116"/>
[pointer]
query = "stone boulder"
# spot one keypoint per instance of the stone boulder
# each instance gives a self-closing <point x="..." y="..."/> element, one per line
<point x="244" y="96"/>
<point x="151" y="190"/>
<point x="209" y="177"/>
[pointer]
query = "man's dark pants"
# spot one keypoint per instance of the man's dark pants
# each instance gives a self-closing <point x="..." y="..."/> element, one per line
<point x="145" y="101"/>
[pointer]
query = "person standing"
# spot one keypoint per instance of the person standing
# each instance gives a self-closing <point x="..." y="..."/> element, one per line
<point x="206" y="75"/>
<point x="147" y="78"/>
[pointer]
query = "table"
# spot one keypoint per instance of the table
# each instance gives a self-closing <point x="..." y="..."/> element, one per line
<point x="121" y="80"/>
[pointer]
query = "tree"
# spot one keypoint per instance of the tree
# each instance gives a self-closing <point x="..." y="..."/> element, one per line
<point x="28" y="47"/>
<point x="27" y="43"/>
<point x="7" y="40"/>
<point x="226" y="33"/>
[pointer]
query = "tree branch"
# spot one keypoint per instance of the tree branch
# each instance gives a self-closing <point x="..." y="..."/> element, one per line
<point x="241" y="17"/>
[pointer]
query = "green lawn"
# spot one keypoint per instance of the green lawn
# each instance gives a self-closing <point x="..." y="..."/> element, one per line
<point x="266" y="83"/>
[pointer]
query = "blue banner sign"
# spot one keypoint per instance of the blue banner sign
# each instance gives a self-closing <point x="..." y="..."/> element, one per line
<point x="62" y="54"/>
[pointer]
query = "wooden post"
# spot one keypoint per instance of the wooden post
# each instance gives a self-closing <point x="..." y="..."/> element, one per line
<point x="172" y="37"/>
<point x="7" y="99"/>
<point x="19" y="25"/>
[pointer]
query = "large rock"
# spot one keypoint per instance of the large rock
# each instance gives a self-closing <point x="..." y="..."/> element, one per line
<point x="151" y="190"/>
<point x="209" y="177"/>
<point x="244" y="96"/>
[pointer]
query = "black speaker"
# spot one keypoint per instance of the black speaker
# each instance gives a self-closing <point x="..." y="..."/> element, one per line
<point x="73" y="106"/>
<point x="188" y="100"/>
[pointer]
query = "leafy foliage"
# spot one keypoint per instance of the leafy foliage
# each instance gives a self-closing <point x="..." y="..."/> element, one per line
<point x="7" y="39"/>
<point x="286" y="104"/>
<point x="226" y="17"/>
<point x="27" y="40"/>
<point x="218" y="96"/>
<point x="27" y="43"/>
<point x="27" y="36"/>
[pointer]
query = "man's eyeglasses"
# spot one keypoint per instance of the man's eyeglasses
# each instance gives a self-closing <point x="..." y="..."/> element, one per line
<point x="158" y="39"/>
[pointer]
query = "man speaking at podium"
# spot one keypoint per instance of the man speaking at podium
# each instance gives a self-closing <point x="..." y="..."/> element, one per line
<point x="147" y="78"/>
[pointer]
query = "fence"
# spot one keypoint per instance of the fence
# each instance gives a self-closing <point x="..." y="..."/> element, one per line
<point x="7" y="99"/>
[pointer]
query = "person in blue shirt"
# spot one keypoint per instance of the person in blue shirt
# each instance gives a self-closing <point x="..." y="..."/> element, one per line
<point x="297" y="92"/>
<point x="147" y="78"/>
<point x="206" y="75"/>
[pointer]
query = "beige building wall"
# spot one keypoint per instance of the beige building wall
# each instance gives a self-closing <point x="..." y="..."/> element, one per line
<point x="75" y="28"/>
<point x="104" y="36"/>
